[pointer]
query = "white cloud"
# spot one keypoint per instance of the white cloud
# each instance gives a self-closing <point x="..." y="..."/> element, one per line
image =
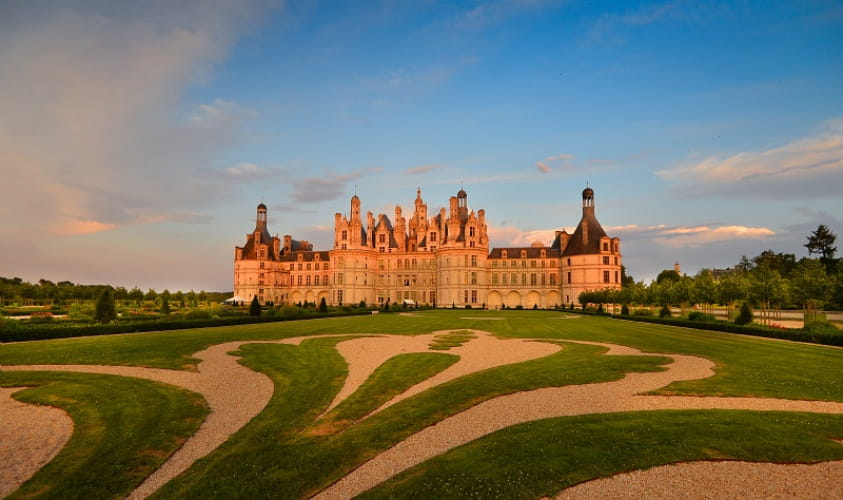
<point x="808" y="167"/>
<point x="423" y="169"/>
<point x="688" y="236"/>
<point x="562" y="161"/>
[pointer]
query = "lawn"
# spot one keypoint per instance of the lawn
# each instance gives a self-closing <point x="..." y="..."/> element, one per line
<point x="285" y="452"/>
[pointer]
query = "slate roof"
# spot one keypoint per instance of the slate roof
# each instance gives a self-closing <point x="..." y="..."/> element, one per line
<point x="577" y="243"/>
<point x="515" y="253"/>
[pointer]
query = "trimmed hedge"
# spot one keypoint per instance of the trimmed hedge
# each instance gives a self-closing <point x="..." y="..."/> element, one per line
<point x="11" y="331"/>
<point x="824" y="336"/>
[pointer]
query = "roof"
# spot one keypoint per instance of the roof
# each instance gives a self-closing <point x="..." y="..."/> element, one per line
<point x="249" y="250"/>
<point x="515" y="252"/>
<point x="586" y="238"/>
<point x="307" y="256"/>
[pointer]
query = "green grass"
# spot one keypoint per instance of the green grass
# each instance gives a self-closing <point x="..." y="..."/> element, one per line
<point x="124" y="429"/>
<point x="541" y="458"/>
<point x="392" y="378"/>
<point x="454" y="339"/>
<point x="284" y="452"/>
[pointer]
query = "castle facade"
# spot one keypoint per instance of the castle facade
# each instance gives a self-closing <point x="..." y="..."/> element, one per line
<point x="440" y="259"/>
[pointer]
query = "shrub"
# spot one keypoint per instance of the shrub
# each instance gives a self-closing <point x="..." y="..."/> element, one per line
<point x="700" y="316"/>
<point x="104" y="311"/>
<point x="600" y="308"/>
<point x="664" y="312"/>
<point x="820" y="326"/>
<point x="625" y="310"/>
<point x="745" y="315"/>
<point x="255" y="307"/>
<point x="642" y="312"/>
<point x="323" y="305"/>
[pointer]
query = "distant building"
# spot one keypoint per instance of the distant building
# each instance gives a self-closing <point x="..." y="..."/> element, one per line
<point x="441" y="259"/>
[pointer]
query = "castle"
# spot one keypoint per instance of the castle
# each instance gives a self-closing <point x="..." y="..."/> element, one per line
<point x="440" y="259"/>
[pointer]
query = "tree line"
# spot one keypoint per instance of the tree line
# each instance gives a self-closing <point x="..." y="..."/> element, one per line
<point x="45" y="292"/>
<point x="769" y="280"/>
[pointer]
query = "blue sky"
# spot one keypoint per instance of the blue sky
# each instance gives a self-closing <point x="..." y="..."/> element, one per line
<point x="137" y="139"/>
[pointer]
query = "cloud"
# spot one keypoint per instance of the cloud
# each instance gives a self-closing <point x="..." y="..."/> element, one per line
<point x="326" y="187"/>
<point x="610" y="29"/>
<point x="423" y="169"/>
<point x="92" y="132"/>
<point x="689" y="236"/>
<point x="247" y="171"/>
<point x="807" y="168"/>
<point x="563" y="161"/>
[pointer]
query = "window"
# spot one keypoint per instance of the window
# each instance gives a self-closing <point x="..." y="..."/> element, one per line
<point x="345" y="235"/>
<point x="473" y="261"/>
<point x="513" y="279"/>
<point x="339" y="279"/>
<point x="524" y="264"/>
<point x="473" y="278"/>
<point x="381" y="238"/>
<point x="299" y="266"/>
<point x="324" y="279"/>
<point x="308" y="280"/>
<point x="339" y="296"/>
<point x="605" y="260"/>
<point x="494" y="263"/>
<point x="474" y="296"/>
<point x="471" y="231"/>
<point x="316" y="280"/>
<point x="533" y="264"/>
<point x="307" y="266"/>
<point x="616" y="261"/>
<point x="495" y="278"/>
<point x="261" y="266"/>
<point x="465" y="296"/>
<point x="523" y="254"/>
<point x="605" y="276"/>
<point x="544" y="279"/>
<point x="533" y="279"/>
<point x="569" y="277"/>
<point x="523" y="278"/>
<point x="503" y="254"/>
<point x="616" y="276"/>
<point x="298" y="280"/>
<point x="513" y="263"/>
<point x="433" y="237"/>
<point x="605" y="247"/>
<point x="552" y="278"/>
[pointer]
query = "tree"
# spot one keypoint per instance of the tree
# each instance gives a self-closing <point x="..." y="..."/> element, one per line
<point x="105" y="311"/>
<point x="745" y="315"/>
<point x="323" y="305"/>
<point x="255" y="307"/>
<point x="667" y="275"/>
<point x="767" y="287"/>
<point x="165" y="304"/>
<point x="821" y="242"/>
<point x="810" y="284"/>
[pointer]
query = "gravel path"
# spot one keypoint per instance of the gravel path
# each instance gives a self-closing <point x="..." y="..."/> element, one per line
<point x="718" y="481"/>
<point x="30" y="436"/>
<point x="505" y="411"/>
<point x="236" y="394"/>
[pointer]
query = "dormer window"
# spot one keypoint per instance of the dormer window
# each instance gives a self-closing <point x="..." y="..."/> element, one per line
<point x="345" y="235"/>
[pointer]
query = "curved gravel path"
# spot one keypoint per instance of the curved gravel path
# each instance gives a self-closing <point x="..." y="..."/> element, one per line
<point x="236" y="394"/>
<point x="718" y="481"/>
<point x="506" y="411"/>
<point x="31" y="434"/>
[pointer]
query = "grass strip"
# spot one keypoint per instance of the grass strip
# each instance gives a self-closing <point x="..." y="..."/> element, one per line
<point x="395" y="376"/>
<point x="449" y="340"/>
<point x="124" y="429"/>
<point x="541" y="458"/>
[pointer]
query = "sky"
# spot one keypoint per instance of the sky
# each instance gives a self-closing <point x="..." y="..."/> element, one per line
<point x="137" y="138"/>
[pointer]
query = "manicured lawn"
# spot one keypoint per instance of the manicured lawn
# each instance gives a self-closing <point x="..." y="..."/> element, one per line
<point x="285" y="452"/>
<point x="124" y="429"/>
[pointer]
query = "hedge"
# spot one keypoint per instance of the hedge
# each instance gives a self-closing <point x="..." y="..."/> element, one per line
<point x="825" y="337"/>
<point x="10" y="331"/>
